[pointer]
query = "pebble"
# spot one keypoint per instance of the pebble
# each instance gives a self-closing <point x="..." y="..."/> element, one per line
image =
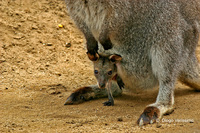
<point x="49" y="44"/>
<point x="158" y="125"/>
<point x="68" y="45"/>
<point x="119" y="119"/>
<point x="2" y="60"/>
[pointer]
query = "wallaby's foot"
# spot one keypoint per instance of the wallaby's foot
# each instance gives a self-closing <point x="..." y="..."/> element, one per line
<point x="80" y="95"/>
<point x="153" y="113"/>
<point x="91" y="92"/>
<point x="149" y="116"/>
<point x="108" y="103"/>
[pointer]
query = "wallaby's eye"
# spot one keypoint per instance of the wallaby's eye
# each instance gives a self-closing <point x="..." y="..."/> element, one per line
<point x="110" y="72"/>
<point x="96" y="71"/>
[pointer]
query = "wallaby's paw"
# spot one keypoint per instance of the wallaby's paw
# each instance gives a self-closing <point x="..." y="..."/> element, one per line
<point x="149" y="116"/>
<point x="80" y="95"/>
<point x="108" y="103"/>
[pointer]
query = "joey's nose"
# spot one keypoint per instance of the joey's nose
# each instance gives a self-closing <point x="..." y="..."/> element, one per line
<point x="102" y="85"/>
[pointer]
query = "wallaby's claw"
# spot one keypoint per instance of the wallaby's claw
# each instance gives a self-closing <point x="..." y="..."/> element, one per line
<point x="108" y="103"/>
<point x="74" y="98"/>
<point x="149" y="116"/>
<point x="141" y="122"/>
<point x="69" y="100"/>
<point x="79" y="96"/>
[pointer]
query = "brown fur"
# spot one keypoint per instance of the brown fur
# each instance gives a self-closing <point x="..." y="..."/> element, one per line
<point x="150" y="112"/>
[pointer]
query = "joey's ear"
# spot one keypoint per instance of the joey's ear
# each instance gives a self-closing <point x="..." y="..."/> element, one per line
<point x="92" y="57"/>
<point x="115" y="58"/>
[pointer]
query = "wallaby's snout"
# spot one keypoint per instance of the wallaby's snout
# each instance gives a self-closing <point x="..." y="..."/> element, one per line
<point x="101" y="84"/>
<point x="102" y="78"/>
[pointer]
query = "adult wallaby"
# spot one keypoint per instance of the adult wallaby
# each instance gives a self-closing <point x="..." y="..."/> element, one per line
<point x="156" y="40"/>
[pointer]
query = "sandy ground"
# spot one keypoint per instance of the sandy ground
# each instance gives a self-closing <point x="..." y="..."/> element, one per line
<point x="41" y="64"/>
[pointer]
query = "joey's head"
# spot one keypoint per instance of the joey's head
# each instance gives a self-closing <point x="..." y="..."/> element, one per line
<point x="105" y="68"/>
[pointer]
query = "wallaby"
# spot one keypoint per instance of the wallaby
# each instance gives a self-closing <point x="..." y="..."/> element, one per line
<point x="156" y="40"/>
<point x="105" y="71"/>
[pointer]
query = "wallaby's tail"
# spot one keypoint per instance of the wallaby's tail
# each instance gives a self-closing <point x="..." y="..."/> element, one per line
<point x="191" y="75"/>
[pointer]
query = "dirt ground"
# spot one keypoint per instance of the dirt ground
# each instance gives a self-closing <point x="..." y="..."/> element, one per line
<point x="42" y="63"/>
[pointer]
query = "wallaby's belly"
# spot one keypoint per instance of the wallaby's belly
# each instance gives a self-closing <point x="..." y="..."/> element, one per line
<point x="135" y="81"/>
<point x="138" y="84"/>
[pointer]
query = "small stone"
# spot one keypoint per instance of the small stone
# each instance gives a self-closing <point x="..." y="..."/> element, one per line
<point x="58" y="74"/>
<point x="61" y="14"/>
<point x="34" y="27"/>
<point x="49" y="44"/>
<point x="42" y="89"/>
<point x="119" y="119"/>
<point x="191" y="121"/>
<point x="68" y="45"/>
<point x="158" y="125"/>
<point x="2" y="60"/>
<point x="54" y="92"/>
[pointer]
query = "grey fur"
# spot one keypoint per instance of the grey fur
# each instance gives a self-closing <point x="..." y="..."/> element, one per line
<point x="105" y="71"/>
<point x="156" y="39"/>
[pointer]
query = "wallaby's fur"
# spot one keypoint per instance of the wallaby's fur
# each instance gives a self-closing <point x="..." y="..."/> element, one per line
<point x="105" y="71"/>
<point x="155" y="38"/>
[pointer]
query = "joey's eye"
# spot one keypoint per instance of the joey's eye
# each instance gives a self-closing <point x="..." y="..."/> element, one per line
<point x="96" y="71"/>
<point x="110" y="72"/>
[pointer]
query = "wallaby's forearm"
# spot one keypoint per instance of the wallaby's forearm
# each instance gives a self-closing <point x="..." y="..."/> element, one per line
<point x="92" y="44"/>
<point x="89" y="16"/>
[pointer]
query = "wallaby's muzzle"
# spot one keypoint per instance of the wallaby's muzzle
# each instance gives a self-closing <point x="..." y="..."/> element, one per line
<point x="102" y="81"/>
<point x="102" y="85"/>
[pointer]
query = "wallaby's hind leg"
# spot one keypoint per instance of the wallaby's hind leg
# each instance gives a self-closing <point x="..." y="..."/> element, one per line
<point x="166" y="68"/>
<point x="191" y="74"/>
<point x="91" y="92"/>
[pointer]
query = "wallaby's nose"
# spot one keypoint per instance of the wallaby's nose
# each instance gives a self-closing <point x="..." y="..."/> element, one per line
<point x="102" y="85"/>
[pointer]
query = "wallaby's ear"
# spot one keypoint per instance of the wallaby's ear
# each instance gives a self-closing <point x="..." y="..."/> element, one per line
<point x="115" y="58"/>
<point x="92" y="57"/>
